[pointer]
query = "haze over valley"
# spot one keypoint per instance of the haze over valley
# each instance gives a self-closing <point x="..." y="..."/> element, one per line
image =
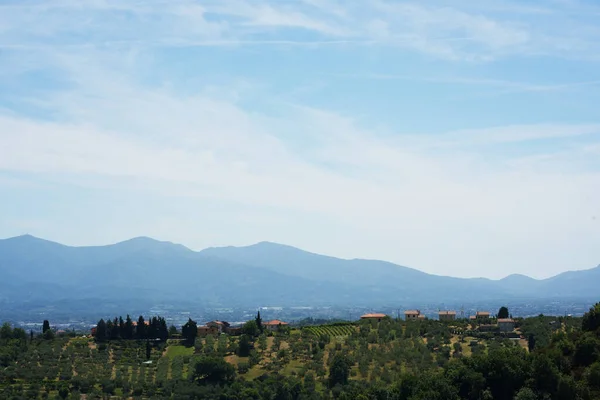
<point x="147" y="272"/>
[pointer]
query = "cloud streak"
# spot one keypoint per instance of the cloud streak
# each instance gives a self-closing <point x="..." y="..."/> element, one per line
<point x="103" y="100"/>
<point x="405" y="188"/>
<point x="483" y="32"/>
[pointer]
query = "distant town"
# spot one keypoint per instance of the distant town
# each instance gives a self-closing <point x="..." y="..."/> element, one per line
<point x="301" y="315"/>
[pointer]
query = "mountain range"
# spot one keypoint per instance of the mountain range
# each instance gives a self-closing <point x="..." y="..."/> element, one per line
<point x="34" y="271"/>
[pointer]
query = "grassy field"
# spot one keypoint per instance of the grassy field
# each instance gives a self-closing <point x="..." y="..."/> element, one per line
<point x="175" y="350"/>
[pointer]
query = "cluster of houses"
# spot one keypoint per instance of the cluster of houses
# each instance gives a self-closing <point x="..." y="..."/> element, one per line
<point x="503" y="324"/>
<point x="218" y="327"/>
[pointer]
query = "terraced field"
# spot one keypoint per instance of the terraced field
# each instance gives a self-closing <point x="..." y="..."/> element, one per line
<point x="331" y="330"/>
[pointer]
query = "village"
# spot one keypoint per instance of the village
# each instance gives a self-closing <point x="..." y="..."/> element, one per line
<point x="482" y="321"/>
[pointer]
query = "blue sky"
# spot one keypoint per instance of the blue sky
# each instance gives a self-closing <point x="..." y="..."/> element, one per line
<point x="457" y="137"/>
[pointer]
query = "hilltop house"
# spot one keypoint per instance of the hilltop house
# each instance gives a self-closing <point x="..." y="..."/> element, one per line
<point x="374" y="317"/>
<point x="274" y="325"/>
<point x="506" y="324"/>
<point x="220" y="326"/>
<point x="213" y="328"/>
<point x="413" y="315"/>
<point x="204" y="331"/>
<point x="482" y="315"/>
<point x="447" y="315"/>
<point x="234" y="330"/>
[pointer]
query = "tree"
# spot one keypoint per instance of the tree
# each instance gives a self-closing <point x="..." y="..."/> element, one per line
<point x="152" y="329"/>
<point x="101" y="331"/>
<point x="545" y="374"/>
<point x="259" y="322"/>
<point x="148" y="350"/>
<point x="503" y="312"/>
<point x="213" y="370"/>
<point x="172" y="330"/>
<point x="222" y="345"/>
<point x="591" y="319"/>
<point x="586" y="349"/>
<point x="506" y="370"/>
<point x="244" y="346"/>
<point x="250" y="328"/>
<point x="593" y="376"/>
<point x="309" y="382"/>
<point x="115" y="332"/>
<point x="526" y="394"/>
<point x="128" y="331"/>
<point x="140" y="329"/>
<point x="45" y="326"/>
<point x="531" y="342"/>
<point x="48" y="335"/>
<point x="566" y="388"/>
<point x="189" y="331"/>
<point x="340" y="370"/>
<point x="6" y="331"/>
<point x="209" y="345"/>
<point x="262" y="342"/>
<point x="109" y="328"/>
<point x="63" y="391"/>
<point x="163" y="331"/>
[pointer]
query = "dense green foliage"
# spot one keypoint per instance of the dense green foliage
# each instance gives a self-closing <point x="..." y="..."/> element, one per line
<point x="368" y="360"/>
<point x="117" y="329"/>
<point x="503" y="312"/>
<point x="189" y="331"/>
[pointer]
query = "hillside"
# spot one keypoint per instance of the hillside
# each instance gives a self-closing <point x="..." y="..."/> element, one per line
<point x="150" y="271"/>
<point x="389" y="359"/>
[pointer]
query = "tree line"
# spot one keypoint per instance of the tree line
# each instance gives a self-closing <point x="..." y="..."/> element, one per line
<point x="119" y="328"/>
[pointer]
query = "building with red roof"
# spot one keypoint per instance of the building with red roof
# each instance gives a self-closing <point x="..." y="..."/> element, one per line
<point x="274" y="325"/>
<point x="373" y="316"/>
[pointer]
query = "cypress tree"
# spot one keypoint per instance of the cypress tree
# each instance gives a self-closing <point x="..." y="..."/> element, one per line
<point x="101" y="331"/>
<point x="128" y="332"/>
<point x="141" y="328"/>
<point x="259" y="322"/>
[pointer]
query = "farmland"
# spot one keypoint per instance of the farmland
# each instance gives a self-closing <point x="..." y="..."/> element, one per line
<point x="308" y="359"/>
<point x="334" y="330"/>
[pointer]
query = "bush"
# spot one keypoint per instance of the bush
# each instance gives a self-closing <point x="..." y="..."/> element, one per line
<point x="243" y="367"/>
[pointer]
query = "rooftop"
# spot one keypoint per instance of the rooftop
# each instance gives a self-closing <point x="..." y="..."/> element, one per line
<point x="412" y="312"/>
<point x="447" y="313"/>
<point x="275" y="322"/>
<point x="505" y="320"/>
<point x="224" y="323"/>
<point x="374" y="315"/>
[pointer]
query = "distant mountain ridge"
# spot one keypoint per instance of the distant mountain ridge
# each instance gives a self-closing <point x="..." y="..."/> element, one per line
<point x="265" y="273"/>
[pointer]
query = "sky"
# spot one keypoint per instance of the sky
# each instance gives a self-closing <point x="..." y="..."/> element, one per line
<point x="457" y="137"/>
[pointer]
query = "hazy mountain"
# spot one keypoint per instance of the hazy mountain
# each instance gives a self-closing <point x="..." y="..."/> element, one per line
<point x="146" y="270"/>
<point x="295" y="262"/>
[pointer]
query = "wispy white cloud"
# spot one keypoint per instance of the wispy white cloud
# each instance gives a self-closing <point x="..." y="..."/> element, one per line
<point x="457" y="31"/>
<point x="502" y="86"/>
<point x="406" y="190"/>
<point x="299" y="173"/>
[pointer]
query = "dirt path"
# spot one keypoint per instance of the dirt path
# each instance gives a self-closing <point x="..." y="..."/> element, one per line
<point x="111" y="360"/>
